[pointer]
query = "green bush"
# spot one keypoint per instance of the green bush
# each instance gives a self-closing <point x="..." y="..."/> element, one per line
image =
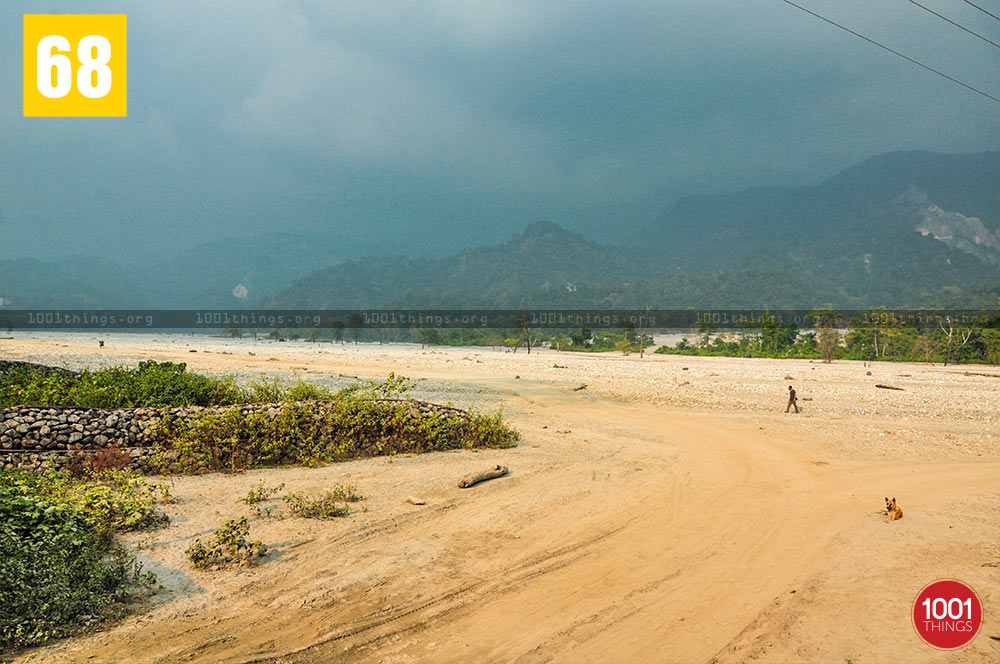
<point x="113" y="500"/>
<point x="327" y="506"/>
<point x="265" y="391"/>
<point x="361" y="421"/>
<point x="151" y="384"/>
<point x="303" y="391"/>
<point x="59" y="571"/>
<point x="230" y="546"/>
<point x="260" y="493"/>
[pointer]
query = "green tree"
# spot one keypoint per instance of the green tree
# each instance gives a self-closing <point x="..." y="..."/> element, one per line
<point x="429" y="337"/>
<point x="357" y="322"/>
<point x="582" y="338"/>
<point x="337" y="328"/>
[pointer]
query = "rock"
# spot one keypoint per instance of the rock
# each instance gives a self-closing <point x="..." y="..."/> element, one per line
<point x="75" y="436"/>
<point x="413" y="500"/>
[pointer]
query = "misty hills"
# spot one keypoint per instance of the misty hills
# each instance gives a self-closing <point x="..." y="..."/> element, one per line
<point x="235" y="272"/>
<point x="882" y="204"/>
<point x="901" y="229"/>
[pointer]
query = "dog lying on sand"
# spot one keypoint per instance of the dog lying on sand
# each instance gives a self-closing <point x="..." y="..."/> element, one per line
<point x="892" y="509"/>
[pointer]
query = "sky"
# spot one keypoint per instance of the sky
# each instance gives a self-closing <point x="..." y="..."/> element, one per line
<point x="441" y="124"/>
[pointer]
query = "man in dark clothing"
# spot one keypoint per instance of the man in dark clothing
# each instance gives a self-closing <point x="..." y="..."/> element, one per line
<point x="793" y="401"/>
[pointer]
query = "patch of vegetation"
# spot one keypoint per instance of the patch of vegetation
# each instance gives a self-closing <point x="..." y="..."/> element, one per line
<point x="151" y="384"/>
<point x="326" y="506"/>
<point x="330" y="505"/>
<point x="90" y="462"/>
<point x="230" y="546"/>
<point x="260" y="493"/>
<point x="61" y="568"/>
<point x="366" y="419"/>
<point x="880" y="337"/>
<point x="303" y="391"/>
<point x="112" y="500"/>
<point x="347" y="493"/>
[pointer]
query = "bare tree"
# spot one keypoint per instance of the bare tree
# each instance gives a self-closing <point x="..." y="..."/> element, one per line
<point x="643" y="321"/>
<point x="827" y="322"/>
<point x="955" y="338"/>
<point x="527" y="331"/>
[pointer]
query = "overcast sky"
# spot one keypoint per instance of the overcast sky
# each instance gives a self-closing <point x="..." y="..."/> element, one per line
<point x="455" y="122"/>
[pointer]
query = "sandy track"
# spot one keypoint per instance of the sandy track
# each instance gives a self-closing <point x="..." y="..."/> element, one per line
<point x="645" y="533"/>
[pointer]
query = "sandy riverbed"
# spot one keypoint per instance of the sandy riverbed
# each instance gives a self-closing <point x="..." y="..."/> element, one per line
<point x="670" y="511"/>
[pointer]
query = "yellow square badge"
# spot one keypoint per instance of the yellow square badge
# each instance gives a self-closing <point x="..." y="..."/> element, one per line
<point x="75" y="65"/>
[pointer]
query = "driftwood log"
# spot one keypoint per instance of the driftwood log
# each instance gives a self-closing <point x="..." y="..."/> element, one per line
<point x="890" y="387"/>
<point x="476" y="478"/>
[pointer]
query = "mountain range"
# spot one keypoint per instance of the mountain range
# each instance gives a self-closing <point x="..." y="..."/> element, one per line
<point x="900" y="229"/>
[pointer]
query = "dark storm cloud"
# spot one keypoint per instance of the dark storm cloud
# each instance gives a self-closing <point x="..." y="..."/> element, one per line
<point x="450" y="122"/>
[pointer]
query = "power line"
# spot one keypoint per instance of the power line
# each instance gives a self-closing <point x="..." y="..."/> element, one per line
<point x="961" y="27"/>
<point x="981" y="9"/>
<point x="894" y="52"/>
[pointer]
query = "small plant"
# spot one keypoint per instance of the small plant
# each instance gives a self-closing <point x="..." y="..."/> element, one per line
<point x="230" y="547"/>
<point x="324" y="507"/>
<point x="260" y="493"/>
<point x="347" y="493"/>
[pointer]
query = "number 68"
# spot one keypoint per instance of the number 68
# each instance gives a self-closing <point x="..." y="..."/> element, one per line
<point x="93" y="78"/>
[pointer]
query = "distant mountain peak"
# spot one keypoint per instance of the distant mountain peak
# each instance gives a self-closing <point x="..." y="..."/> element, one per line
<point x="544" y="229"/>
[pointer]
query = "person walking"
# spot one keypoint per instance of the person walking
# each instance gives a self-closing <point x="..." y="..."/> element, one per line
<point x="793" y="401"/>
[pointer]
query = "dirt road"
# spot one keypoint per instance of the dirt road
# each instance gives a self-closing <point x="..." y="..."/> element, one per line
<point x="626" y="532"/>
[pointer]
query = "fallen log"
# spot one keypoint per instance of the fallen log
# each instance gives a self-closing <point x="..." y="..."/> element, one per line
<point x="582" y="387"/>
<point x="890" y="387"/>
<point x="476" y="478"/>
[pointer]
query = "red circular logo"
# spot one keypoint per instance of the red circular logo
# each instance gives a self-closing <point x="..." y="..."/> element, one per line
<point x="947" y="614"/>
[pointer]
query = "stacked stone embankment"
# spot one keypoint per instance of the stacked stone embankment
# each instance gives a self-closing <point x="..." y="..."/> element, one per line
<point x="7" y="365"/>
<point x="35" y="437"/>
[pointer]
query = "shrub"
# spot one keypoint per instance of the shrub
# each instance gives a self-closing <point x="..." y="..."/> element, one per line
<point x="326" y="506"/>
<point x="229" y="547"/>
<point x="59" y="571"/>
<point x="260" y="493"/>
<point x="363" y="420"/>
<point x="265" y="391"/>
<point x="347" y="493"/>
<point x="90" y="462"/>
<point x="303" y="391"/>
<point x="150" y="384"/>
<point x="113" y="500"/>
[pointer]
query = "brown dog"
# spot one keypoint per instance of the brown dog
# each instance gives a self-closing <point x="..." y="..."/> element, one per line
<point x="892" y="509"/>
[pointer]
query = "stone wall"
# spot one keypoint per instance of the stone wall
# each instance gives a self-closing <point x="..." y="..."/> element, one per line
<point x="31" y="436"/>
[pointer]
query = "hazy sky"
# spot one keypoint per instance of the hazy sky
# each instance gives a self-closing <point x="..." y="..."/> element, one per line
<point x="460" y="121"/>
